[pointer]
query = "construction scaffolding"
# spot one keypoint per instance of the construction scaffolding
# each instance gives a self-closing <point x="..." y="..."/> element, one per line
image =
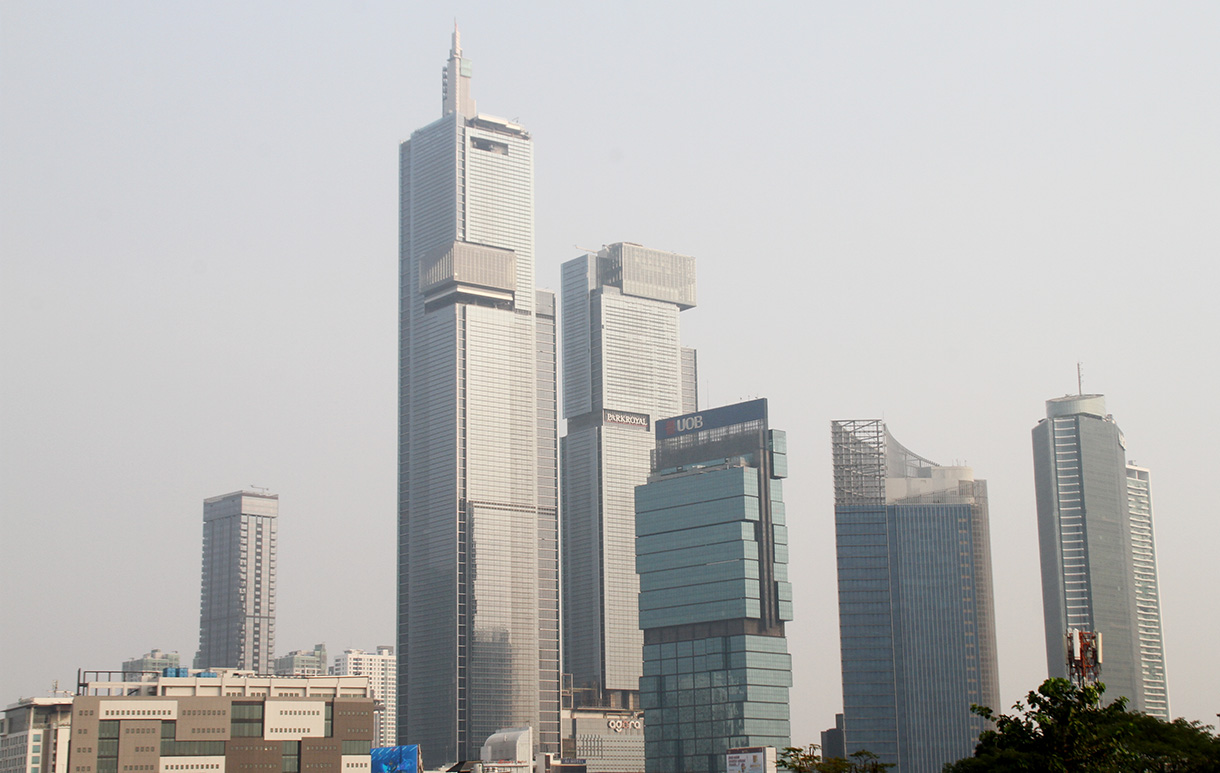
<point x="858" y="448"/>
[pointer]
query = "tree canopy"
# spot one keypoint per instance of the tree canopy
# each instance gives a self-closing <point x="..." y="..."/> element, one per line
<point x="1063" y="727"/>
<point x="807" y="760"/>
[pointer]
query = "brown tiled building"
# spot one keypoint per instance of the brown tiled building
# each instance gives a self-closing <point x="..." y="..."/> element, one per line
<point x="222" y="722"/>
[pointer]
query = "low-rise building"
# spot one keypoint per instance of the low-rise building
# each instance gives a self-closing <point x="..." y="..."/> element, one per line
<point x="303" y="662"/>
<point x="156" y="660"/>
<point x="34" y="736"/>
<point x="381" y="668"/>
<point x="218" y="721"/>
<point x="608" y="740"/>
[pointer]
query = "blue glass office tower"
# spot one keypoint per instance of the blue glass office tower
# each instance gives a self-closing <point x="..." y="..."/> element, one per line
<point x="478" y="529"/>
<point x="712" y="554"/>
<point x="916" y="611"/>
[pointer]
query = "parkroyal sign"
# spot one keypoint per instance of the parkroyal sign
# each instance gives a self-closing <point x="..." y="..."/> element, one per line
<point x="754" y="410"/>
<point x="640" y="420"/>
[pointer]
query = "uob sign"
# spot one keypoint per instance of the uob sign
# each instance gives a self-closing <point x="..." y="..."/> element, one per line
<point x="683" y="424"/>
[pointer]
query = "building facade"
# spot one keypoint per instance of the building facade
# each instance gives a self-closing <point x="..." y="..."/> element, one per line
<point x="608" y="740"/>
<point x="712" y="554"/>
<point x="237" y="600"/>
<point x="224" y="721"/>
<point x="1147" y="592"/>
<point x="624" y="368"/>
<point x="1098" y="556"/>
<point x="303" y="662"/>
<point x="478" y="572"/>
<point x="34" y="736"/>
<point x="381" y="668"/>
<point x="151" y="661"/>
<point x="916" y="609"/>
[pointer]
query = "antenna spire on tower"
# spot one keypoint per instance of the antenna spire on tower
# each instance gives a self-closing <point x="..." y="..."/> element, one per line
<point x="455" y="88"/>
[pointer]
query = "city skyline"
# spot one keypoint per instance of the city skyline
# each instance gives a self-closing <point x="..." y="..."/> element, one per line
<point x="221" y="269"/>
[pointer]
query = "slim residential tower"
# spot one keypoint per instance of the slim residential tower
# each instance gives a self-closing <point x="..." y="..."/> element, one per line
<point x="624" y="368"/>
<point x="1098" y="558"/>
<point x="237" y="600"/>
<point x="478" y="573"/>
<point x="916" y="611"/>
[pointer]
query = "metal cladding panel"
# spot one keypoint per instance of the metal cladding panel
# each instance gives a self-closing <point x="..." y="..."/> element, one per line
<point x="207" y="764"/>
<point x="289" y="720"/>
<point x="1111" y="568"/>
<point x="582" y="557"/>
<point x="461" y="263"/>
<point x="656" y="274"/>
<point x="318" y="754"/>
<point x="499" y="200"/>
<point x="577" y="280"/>
<point x="140" y="744"/>
<point x="1054" y="610"/>
<point x="937" y="608"/>
<point x="253" y="754"/>
<point x="353" y="719"/>
<point x="204" y="719"/>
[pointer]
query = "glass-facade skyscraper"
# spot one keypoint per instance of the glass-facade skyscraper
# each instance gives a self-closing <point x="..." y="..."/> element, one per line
<point x="624" y="368"/>
<point x="712" y="555"/>
<point x="478" y="571"/>
<point x="916" y="610"/>
<point x="237" y="597"/>
<point x="1098" y="556"/>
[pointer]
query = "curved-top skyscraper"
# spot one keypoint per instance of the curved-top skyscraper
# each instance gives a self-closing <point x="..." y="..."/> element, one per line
<point x="916" y="610"/>
<point x="478" y="584"/>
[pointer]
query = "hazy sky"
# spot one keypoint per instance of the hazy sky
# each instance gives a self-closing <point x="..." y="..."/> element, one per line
<point x="926" y="215"/>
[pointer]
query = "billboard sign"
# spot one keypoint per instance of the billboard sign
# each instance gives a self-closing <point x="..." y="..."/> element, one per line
<point x="754" y="759"/>
<point x="754" y="410"/>
<point x="626" y="419"/>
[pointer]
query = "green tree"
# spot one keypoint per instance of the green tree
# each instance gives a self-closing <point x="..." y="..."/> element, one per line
<point x="807" y="760"/>
<point x="801" y="759"/>
<point x="1062" y="727"/>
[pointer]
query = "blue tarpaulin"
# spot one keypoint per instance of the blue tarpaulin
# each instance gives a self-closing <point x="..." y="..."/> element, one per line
<point x="396" y="759"/>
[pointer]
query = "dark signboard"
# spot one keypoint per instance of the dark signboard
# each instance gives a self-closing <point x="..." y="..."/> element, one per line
<point x="754" y="410"/>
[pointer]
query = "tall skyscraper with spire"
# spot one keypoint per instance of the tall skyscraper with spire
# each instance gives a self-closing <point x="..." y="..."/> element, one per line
<point x="478" y="580"/>
<point x="1098" y="558"/>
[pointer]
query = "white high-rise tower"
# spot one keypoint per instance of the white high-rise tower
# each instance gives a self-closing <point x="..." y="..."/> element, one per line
<point x="624" y="368"/>
<point x="1098" y="558"/>
<point x="478" y="585"/>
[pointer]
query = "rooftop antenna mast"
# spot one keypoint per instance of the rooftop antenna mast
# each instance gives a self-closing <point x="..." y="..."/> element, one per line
<point x="1079" y="377"/>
